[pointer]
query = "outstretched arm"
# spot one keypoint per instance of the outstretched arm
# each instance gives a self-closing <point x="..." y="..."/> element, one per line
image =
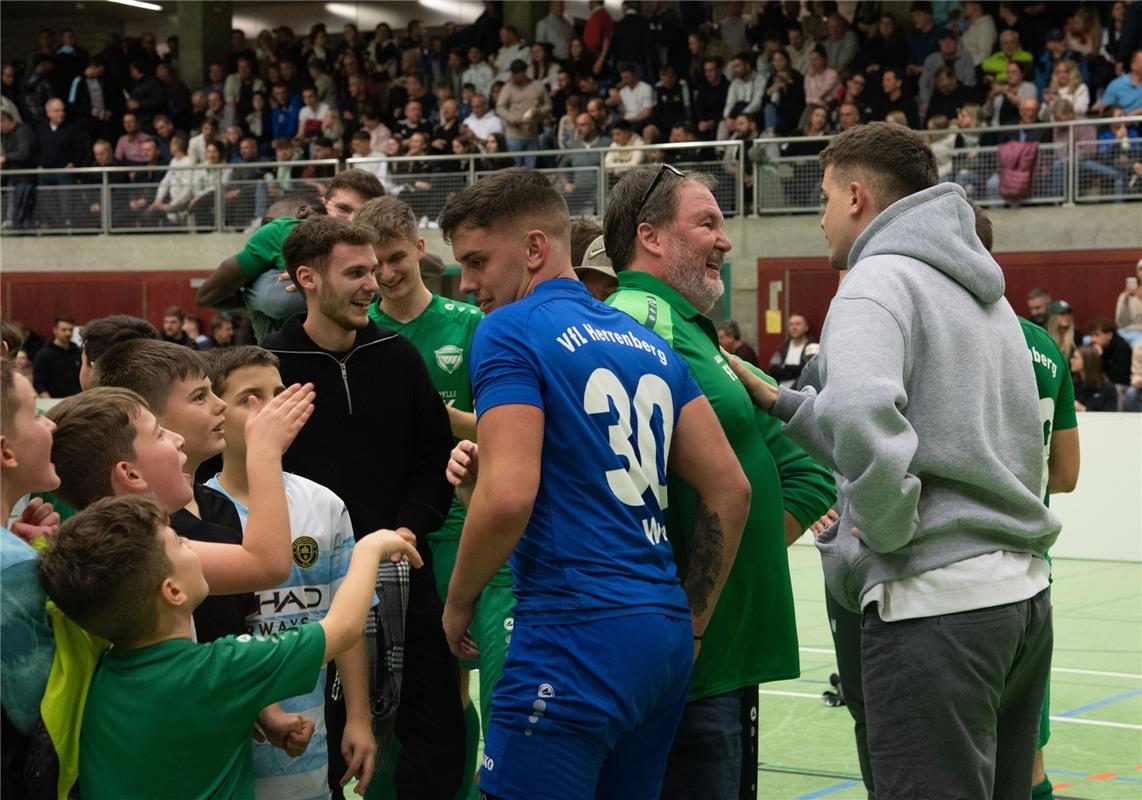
<point x="223" y="284"/>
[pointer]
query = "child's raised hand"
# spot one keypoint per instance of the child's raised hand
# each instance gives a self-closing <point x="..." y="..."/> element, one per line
<point x="393" y="545"/>
<point x="277" y="423"/>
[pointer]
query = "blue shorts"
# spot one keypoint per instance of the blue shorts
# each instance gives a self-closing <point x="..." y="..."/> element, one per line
<point x="587" y="709"/>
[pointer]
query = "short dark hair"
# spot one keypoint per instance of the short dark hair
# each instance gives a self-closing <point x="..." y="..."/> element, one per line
<point x="363" y="183"/>
<point x="312" y="242"/>
<point x="224" y="361"/>
<point x="100" y="335"/>
<point x="389" y="218"/>
<point x="623" y="214"/>
<point x="106" y="565"/>
<point x="895" y="160"/>
<point x="58" y="318"/>
<point x="745" y="56"/>
<point x="1101" y="325"/>
<point x="584" y="230"/>
<point x="12" y="336"/>
<point x="508" y="197"/>
<point x="986" y="233"/>
<point x="95" y="430"/>
<point x="149" y="368"/>
<point x="175" y="311"/>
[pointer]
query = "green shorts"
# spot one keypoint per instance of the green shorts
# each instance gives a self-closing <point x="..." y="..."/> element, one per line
<point x="492" y="630"/>
<point x="444" y="549"/>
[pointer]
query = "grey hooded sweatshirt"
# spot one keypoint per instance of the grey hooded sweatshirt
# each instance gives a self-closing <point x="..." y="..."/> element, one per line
<point x="927" y="407"/>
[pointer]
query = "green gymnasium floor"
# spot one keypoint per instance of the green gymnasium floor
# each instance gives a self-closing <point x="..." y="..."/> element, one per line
<point x="1095" y="752"/>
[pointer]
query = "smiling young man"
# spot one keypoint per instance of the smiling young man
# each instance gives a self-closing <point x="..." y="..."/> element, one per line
<point x="942" y="531"/>
<point x="579" y="411"/>
<point x="442" y="330"/>
<point x="379" y="438"/>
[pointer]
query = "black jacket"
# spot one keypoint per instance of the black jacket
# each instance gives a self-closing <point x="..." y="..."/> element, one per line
<point x="1116" y="361"/>
<point x="56" y="371"/>
<point x="379" y="435"/>
<point x="61" y="147"/>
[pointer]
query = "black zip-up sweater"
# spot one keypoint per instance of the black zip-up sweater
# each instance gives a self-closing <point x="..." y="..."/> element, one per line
<point x="379" y="435"/>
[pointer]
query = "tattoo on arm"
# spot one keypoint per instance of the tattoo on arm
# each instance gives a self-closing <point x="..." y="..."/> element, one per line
<point x="705" y="560"/>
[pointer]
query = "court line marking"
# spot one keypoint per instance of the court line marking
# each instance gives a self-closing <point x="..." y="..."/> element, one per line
<point x="777" y="693"/>
<point x="1099" y="722"/>
<point x="1074" y="712"/>
<point x="838" y="787"/>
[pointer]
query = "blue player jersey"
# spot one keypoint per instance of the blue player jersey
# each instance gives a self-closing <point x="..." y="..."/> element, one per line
<point x="611" y="392"/>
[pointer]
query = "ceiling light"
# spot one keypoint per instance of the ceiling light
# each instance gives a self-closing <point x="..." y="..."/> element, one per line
<point x="138" y="4"/>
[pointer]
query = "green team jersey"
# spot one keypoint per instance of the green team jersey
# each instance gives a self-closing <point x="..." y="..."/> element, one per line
<point x="443" y="334"/>
<point x="1056" y="389"/>
<point x="752" y="636"/>
<point x="263" y="250"/>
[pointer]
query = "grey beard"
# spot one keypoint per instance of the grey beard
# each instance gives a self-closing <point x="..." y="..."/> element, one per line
<point x="691" y="282"/>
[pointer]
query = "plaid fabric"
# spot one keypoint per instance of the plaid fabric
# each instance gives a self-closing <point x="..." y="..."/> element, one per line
<point x="384" y="641"/>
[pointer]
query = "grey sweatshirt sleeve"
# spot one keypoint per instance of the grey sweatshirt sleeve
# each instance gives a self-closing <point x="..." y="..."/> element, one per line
<point x="856" y="424"/>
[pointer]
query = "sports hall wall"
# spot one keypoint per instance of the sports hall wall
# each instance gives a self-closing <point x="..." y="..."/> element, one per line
<point x="1081" y="254"/>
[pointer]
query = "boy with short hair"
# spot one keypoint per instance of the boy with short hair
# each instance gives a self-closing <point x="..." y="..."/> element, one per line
<point x="100" y="335"/>
<point x="442" y="330"/>
<point x="121" y="572"/>
<point x="322" y="547"/>
<point x="26" y="646"/>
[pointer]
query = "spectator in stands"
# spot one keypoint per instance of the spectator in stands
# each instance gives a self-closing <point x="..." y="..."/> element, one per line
<point x="479" y="73"/>
<point x="888" y="49"/>
<point x="807" y="173"/>
<point x="197" y="147"/>
<point x="10" y="99"/>
<point x="952" y="57"/>
<point x="784" y="97"/>
<point x="177" y="186"/>
<point x="633" y="99"/>
<point x="1061" y="326"/>
<point x="62" y="147"/>
<point x="555" y="30"/>
<point x="512" y="49"/>
<point x="1030" y="27"/>
<point x="70" y="58"/>
<point x="633" y="41"/>
<point x="1083" y="32"/>
<point x="164" y="131"/>
<point x="174" y="318"/>
<point x="1093" y="392"/>
<point x="841" y="46"/>
<point x="924" y="40"/>
<point x="38" y="87"/>
<point x="310" y="117"/>
<point x="413" y="121"/>
<point x="943" y="144"/>
<point x="683" y="132"/>
<point x="482" y="122"/>
<point x="894" y="98"/>
<point x="1005" y="98"/>
<point x="215" y="79"/>
<point x="56" y="368"/>
<point x="92" y="103"/>
<point x="1113" y="350"/>
<point x="1128" y="309"/>
<point x="746" y="93"/>
<point x="995" y="65"/>
<point x="979" y="39"/>
<point x="149" y="95"/>
<point x="1126" y="90"/>
<point x="1067" y="84"/>
<point x="579" y="183"/>
<point x="949" y="97"/>
<point x="246" y="195"/>
<point x="217" y="111"/>
<point x="600" y="28"/>
<point x="523" y="106"/>
<point x="238" y="90"/>
<point x="848" y="116"/>
<point x="1038" y="303"/>
<point x="103" y="155"/>
<point x="730" y="340"/>
<point x="821" y="81"/>
<point x="381" y="54"/>
<point x="1054" y="53"/>
<point x="222" y="332"/>
<point x="542" y="68"/>
<point x="129" y="148"/>
<point x="1118" y="152"/>
<point x="671" y="100"/>
<point x="284" y="112"/>
<point x="710" y="99"/>
<point x="786" y="364"/>
<point x="495" y="143"/>
<point x="201" y="205"/>
<point x="17" y="151"/>
<point x="799" y="46"/>
<point x="621" y="155"/>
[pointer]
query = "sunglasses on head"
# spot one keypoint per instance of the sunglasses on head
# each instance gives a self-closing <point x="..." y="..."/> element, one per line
<point x="650" y="189"/>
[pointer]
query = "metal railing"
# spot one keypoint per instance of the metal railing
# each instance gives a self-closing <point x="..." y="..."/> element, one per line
<point x="763" y="179"/>
<point x="787" y="184"/>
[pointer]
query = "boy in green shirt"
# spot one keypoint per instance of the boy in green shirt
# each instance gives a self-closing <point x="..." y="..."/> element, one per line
<point x="442" y="330"/>
<point x="121" y="572"/>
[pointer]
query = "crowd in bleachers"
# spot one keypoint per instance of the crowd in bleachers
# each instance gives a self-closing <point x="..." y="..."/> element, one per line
<point x="660" y="72"/>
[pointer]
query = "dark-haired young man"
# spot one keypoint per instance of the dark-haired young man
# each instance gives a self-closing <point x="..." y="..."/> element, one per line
<point x="380" y="440"/>
<point x="100" y="335"/>
<point x="56" y="369"/>
<point x="948" y="570"/>
<point x="565" y="387"/>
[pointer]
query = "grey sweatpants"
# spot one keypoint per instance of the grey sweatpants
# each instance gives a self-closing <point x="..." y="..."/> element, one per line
<point x="952" y="702"/>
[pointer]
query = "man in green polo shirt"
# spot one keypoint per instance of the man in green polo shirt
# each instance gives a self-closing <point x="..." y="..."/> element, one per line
<point x="442" y="330"/>
<point x="664" y="237"/>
